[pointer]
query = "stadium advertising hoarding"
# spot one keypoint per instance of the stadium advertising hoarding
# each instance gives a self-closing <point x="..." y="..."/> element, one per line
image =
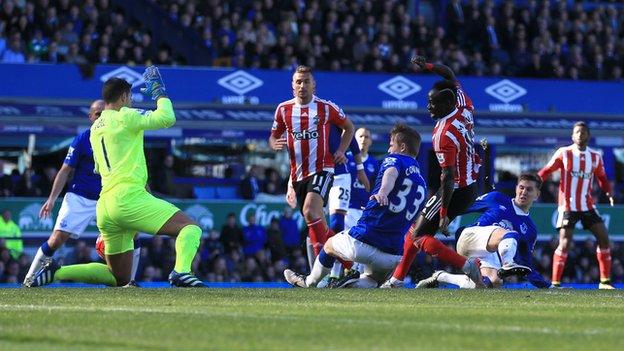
<point x="212" y="214"/>
<point x="264" y="87"/>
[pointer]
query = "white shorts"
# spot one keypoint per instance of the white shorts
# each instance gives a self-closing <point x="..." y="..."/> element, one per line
<point x="75" y="214"/>
<point x="378" y="264"/>
<point x="352" y="217"/>
<point x="340" y="193"/>
<point x="473" y="241"/>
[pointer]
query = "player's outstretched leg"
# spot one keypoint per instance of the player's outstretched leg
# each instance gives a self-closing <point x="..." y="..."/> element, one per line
<point x="507" y="248"/>
<point x="44" y="254"/>
<point x="90" y="273"/>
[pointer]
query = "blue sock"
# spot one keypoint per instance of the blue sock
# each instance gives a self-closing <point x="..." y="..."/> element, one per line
<point x="47" y="250"/>
<point x="336" y="222"/>
<point x="326" y="260"/>
<point x="487" y="282"/>
<point x="137" y="244"/>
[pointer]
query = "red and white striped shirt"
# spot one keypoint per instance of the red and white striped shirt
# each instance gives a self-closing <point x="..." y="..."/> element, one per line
<point x="453" y="141"/>
<point x="577" y="175"/>
<point x="307" y="128"/>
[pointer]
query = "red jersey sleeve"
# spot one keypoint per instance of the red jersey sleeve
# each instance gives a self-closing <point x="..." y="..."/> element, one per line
<point x="279" y="126"/>
<point x="336" y="114"/>
<point x="554" y="164"/>
<point x="447" y="153"/>
<point x="463" y="100"/>
<point x="601" y="176"/>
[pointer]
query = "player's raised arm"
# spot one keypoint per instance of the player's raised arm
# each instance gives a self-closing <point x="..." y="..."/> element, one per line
<point x="163" y="116"/>
<point x="442" y="70"/>
<point x="554" y="164"/>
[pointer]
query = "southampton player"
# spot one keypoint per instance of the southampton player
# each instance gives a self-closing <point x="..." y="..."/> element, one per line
<point x="453" y="143"/>
<point x="78" y="207"/>
<point x="125" y="207"/>
<point x="578" y="165"/>
<point x="377" y="239"/>
<point x="306" y="120"/>
<point x="503" y="238"/>
<point x="359" y="191"/>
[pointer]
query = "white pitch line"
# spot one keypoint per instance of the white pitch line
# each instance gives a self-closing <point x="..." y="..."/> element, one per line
<point x="325" y="318"/>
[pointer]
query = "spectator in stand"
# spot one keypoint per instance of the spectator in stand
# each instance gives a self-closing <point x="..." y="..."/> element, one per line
<point x="251" y="185"/>
<point x="231" y="234"/>
<point x="276" y="241"/>
<point x="254" y="236"/>
<point x="273" y="184"/>
<point x="12" y="234"/>
<point x="290" y="230"/>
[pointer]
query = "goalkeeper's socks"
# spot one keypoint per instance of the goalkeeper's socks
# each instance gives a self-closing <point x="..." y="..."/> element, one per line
<point x="186" y="246"/>
<point x="90" y="273"/>
<point x="44" y="253"/>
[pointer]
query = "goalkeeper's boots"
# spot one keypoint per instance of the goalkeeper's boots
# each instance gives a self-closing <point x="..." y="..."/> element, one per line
<point x="350" y="277"/>
<point x="472" y="268"/>
<point x="45" y="275"/>
<point x="431" y="282"/>
<point x="511" y="268"/>
<point x="185" y="280"/>
<point x="295" y="279"/>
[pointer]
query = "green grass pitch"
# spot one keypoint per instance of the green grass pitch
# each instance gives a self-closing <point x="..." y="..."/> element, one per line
<point x="298" y="319"/>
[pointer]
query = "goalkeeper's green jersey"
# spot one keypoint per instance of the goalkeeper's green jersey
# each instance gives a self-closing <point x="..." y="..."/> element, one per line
<point x="117" y="142"/>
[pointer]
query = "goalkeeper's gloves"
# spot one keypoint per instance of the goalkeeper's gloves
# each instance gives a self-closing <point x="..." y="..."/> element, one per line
<point x="154" y="85"/>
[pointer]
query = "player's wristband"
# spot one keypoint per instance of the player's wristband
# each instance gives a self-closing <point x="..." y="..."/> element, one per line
<point x="359" y="167"/>
<point x="442" y="212"/>
<point x="428" y="66"/>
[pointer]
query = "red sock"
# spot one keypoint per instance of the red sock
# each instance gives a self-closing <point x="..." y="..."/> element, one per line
<point x="559" y="259"/>
<point x="604" y="262"/>
<point x="345" y="264"/>
<point x="316" y="231"/>
<point x="409" y="254"/>
<point x="435" y="248"/>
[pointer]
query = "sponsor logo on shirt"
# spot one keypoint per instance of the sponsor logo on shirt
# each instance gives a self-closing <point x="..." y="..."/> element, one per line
<point x="305" y="135"/>
<point x="440" y="157"/>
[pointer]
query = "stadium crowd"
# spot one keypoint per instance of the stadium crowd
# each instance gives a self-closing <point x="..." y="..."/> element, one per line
<point x="544" y="39"/>
<point x="254" y="253"/>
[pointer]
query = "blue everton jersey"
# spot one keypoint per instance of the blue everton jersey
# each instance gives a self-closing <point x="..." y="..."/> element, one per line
<point x="335" y="133"/>
<point x="80" y="157"/>
<point x="383" y="227"/>
<point x="500" y="210"/>
<point x="359" y="195"/>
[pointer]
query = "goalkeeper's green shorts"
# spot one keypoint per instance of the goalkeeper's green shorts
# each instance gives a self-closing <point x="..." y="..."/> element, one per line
<point x="126" y="211"/>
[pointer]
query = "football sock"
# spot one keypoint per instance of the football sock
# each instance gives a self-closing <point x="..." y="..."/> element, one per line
<point x="336" y="270"/>
<point x="45" y="251"/>
<point x="186" y="245"/>
<point x="487" y="282"/>
<point x="317" y="232"/>
<point x="90" y="273"/>
<point x="310" y="252"/>
<point x="136" y="257"/>
<point x="435" y="248"/>
<point x="460" y="280"/>
<point x="409" y="254"/>
<point x="337" y="222"/>
<point x="321" y="267"/>
<point x="604" y="262"/>
<point x="559" y="259"/>
<point x="507" y="247"/>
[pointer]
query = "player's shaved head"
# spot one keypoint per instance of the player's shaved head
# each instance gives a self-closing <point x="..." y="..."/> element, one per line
<point x="95" y="110"/>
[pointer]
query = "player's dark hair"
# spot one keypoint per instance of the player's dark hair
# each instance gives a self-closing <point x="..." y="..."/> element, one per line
<point x="581" y="124"/>
<point x="402" y="133"/>
<point x="446" y="96"/>
<point x="445" y="84"/>
<point x="533" y="178"/>
<point x="114" y="88"/>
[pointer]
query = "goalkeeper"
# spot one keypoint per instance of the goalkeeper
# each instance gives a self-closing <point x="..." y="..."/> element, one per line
<point x="125" y="207"/>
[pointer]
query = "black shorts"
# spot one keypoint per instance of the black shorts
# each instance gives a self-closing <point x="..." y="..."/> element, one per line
<point x="568" y="219"/>
<point x="319" y="183"/>
<point x="461" y="200"/>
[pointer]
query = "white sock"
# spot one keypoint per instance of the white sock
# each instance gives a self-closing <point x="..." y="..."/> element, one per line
<point x="310" y="252"/>
<point x="507" y="250"/>
<point x="336" y="269"/>
<point x="37" y="263"/>
<point x="136" y="257"/>
<point x="317" y="273"/>
<point x="460" y="280"/>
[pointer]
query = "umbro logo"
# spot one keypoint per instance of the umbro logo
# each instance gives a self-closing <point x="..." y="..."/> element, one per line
<point x="399" y="87"/>
<point x="126" y="73"/>
<point x="240" y="82"/>
<point x="505" y="91"/>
